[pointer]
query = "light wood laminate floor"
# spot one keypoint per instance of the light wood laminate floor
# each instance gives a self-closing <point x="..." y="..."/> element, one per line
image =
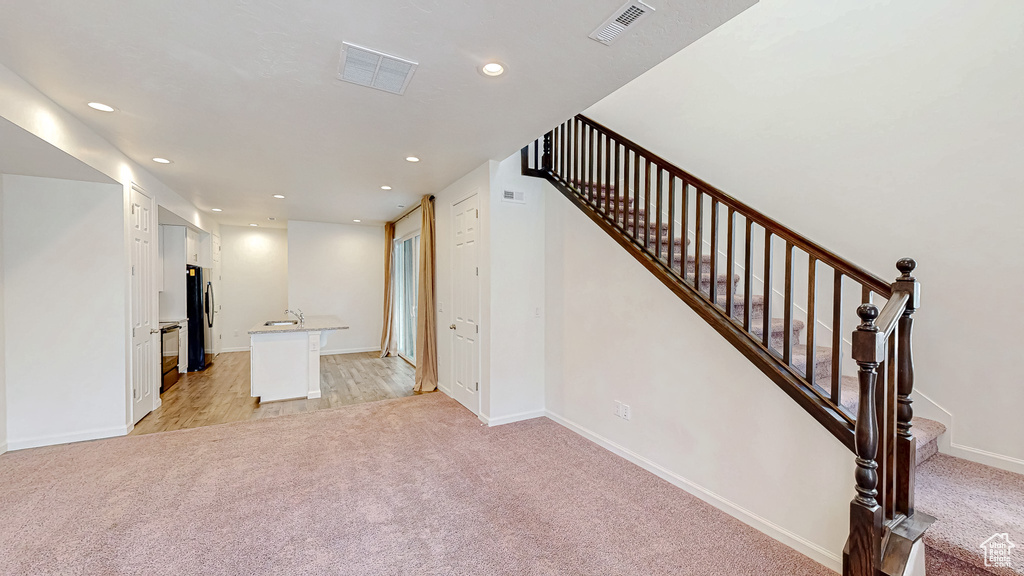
<point x="220" y="394"/>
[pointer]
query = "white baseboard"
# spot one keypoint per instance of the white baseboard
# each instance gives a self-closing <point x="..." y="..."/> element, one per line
<point x="3" y="447"/>
<point x="798" y="543"/>
<point x="240" y="349"/>
<point x="992" y="459"/>
<point x="499" y="420"/>
<point x="67" y="438"/>
<point x="350" y="351"/>
<point x="313" y="395"/>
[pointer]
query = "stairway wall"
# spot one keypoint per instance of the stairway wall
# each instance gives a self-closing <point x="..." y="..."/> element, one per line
<point x="3" y="364"/>
<point x="823" y="114"/>
<point x="703" y="417"/>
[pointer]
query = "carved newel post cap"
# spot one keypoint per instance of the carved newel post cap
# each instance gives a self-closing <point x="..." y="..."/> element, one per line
<point x="906" y="266"/>
<point x="867" y="313"/>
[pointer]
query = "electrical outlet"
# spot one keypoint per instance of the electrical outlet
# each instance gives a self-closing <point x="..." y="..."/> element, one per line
<point x="627" y="412"/>
<point x="618" y="409"/>
<point x="236" y="333"/>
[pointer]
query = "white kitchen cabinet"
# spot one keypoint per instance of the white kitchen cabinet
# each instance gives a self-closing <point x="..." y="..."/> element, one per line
<point x="192" y="246"/>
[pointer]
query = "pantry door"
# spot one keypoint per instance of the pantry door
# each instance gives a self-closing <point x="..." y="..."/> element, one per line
<point x="145" y="349"/>
<point x="466" y="304"/>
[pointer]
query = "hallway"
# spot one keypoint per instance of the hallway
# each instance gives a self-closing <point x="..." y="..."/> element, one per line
<point x="220" y="394"/>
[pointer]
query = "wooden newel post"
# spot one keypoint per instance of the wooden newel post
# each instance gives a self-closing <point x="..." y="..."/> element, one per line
<point x="546" y="159"/>
<point x="864" y="548"/>
<point x="906" y="446"/>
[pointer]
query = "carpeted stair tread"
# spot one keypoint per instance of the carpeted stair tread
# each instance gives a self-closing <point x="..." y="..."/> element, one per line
<point x="822" y="361"/>
<point x="970" y="502"/>
<point x="723" y="279"/>
<point x="778" y="331"/>
<point x="738" y="305"/>
<point x="926" y="432"/>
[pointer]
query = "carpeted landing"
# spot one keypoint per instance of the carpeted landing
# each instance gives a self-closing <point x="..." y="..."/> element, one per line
<point x="971" y="502"/>
<point x="409" y="486"/>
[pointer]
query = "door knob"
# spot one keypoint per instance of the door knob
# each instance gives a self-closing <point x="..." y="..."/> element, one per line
<point x="452" y="327"/>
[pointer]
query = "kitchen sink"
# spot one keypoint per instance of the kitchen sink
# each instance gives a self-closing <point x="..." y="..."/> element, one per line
<point x="281" y="323"/>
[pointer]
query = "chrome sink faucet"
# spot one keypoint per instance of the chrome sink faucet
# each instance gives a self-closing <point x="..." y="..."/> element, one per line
<point x="302" y="319"/>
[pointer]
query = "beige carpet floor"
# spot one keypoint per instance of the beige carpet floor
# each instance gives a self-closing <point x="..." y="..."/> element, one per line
<point x="412" y="486"/>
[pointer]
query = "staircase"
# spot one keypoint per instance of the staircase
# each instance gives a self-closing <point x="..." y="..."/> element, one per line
<point x="780" y="299"/>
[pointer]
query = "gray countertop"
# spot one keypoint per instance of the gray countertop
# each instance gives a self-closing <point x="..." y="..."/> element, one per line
<point x="312" y="324"/>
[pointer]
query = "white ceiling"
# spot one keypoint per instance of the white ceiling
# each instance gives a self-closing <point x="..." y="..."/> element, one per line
<point x="243" y="95"/>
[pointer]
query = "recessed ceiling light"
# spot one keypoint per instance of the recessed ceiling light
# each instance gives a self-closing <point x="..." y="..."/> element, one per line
<point x="493" y="69"/>
<point x="385" y="187"/>
<point x="278" y="196"/>
<point x="412" y="159"/>
<point x="357" y="221"/>
<point x="271" y="218"/>
<point x="161" y="160"/>
<point x="254" y="225"/>
<point x="101" y="107"/>
<point x="401" y="205"/>
<point x="216" y="209"/>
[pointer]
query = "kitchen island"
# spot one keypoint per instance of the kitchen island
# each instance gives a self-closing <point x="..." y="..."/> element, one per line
<point x="285" y="357"/>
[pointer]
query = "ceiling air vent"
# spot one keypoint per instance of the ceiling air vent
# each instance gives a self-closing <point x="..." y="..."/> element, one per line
<point x="375" y="69"/>
<point x="628" y="15"/>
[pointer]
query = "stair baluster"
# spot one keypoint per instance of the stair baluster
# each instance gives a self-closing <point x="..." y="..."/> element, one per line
<point x="906" y="447"/>
<point x="578" y="159"/>
<point x="864" y="551"/>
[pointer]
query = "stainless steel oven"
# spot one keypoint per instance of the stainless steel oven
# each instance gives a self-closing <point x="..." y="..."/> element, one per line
<point x="169" y="354"/>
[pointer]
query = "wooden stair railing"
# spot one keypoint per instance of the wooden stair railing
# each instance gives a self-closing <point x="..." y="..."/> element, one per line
<point x="652" y="208"/>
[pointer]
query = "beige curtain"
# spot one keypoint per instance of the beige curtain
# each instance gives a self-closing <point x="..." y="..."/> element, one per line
<point x="426" y="325"/>
<point x="389" y="290"/>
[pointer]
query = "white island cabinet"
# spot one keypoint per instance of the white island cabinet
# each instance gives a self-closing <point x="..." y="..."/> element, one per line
<point x="286" y="357"/>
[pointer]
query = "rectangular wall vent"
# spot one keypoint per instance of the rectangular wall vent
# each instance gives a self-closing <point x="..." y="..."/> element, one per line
<point x="624" y="18"/>
<point x="375" y="69"/>
<point x="514" y="196"/>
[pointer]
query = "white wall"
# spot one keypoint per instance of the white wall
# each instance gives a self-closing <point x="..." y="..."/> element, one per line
<point x="516" y="233"/>
<point x="338" y="270"/>
<point x="254" y="287"/>
<point x="412" y="222"/>
<point x="511" y="256"/>
<point x="3" y="363"/>
<point x="174" y="289"/>
<point x="703" y="417"/>
<point x="824" y="114"/>
<point x="64" y="300"/>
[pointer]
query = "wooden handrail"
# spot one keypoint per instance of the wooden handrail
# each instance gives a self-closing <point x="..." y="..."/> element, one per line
<point x="890" y="315"/>
<point x="824" y="255"/>
<point x="633" y="194"/>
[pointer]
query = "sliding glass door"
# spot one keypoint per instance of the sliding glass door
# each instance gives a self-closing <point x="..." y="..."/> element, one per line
<point x="406" y="278"/>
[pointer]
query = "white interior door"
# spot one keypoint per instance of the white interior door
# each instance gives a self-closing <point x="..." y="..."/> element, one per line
<point x="145" y="363"/>
<point x="466" y="304"/>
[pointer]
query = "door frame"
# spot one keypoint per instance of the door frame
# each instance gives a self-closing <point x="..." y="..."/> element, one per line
<point x="452" y="274"/>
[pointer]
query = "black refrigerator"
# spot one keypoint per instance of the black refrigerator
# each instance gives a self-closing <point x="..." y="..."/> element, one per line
<point x="199" y="306"/>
